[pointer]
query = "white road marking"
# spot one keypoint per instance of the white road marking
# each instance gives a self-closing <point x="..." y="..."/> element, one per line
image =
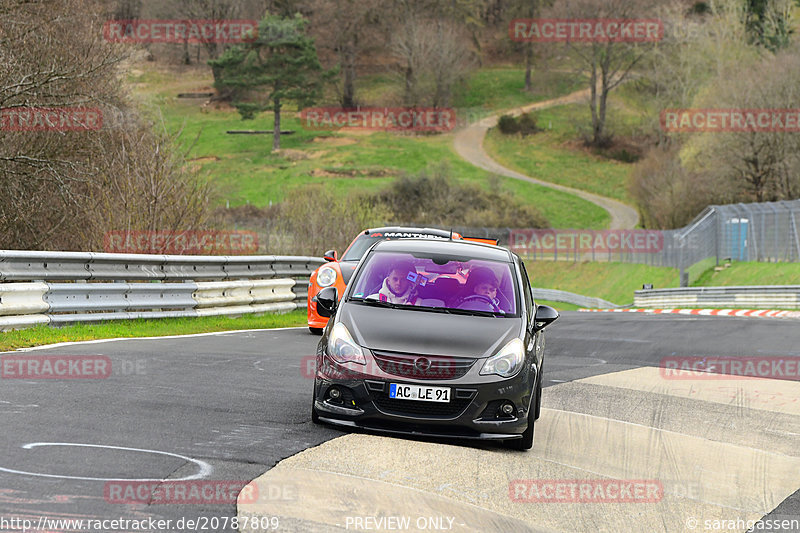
<point x="777" y="432"/>
<point x="96" y="341"/>
<point x="205" y="469"/>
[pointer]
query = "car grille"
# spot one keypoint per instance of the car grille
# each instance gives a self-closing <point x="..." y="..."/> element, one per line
<point x="438" y="367"/>
<point x="379" y="394"/>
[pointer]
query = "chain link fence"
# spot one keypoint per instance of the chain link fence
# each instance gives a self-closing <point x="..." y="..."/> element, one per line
<point x="765" y="232"/>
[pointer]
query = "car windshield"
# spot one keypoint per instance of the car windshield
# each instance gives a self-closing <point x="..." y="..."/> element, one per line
<point x="437" y="282"/>
<point x="359" y="247"/>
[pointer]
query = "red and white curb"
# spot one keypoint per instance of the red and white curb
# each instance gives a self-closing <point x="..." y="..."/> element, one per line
<point x="764" y="313"/>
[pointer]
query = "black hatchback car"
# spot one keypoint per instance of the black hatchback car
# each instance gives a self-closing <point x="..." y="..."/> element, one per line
<point x="437" y="338"/>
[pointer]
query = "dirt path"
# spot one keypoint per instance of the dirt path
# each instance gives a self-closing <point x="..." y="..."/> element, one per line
<point x="469" y="145"/>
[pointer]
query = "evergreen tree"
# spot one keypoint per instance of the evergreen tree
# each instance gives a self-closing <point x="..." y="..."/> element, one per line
<point x="280" y="64"/>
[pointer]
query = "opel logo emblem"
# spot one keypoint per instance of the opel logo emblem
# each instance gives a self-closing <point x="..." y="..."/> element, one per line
<point x="422" y="364"/>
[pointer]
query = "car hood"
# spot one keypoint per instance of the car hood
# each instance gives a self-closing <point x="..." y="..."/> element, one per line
<point x="427" y="333"/>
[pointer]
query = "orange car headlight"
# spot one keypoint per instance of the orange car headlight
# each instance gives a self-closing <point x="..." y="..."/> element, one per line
<point x="326" y="276"/>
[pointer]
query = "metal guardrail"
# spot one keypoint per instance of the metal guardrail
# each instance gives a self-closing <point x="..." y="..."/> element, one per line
<point x="68" y="287"/>
<point x="755" y="297"/>
<point x="554" y="295"/>
<point x="18" y="265"/>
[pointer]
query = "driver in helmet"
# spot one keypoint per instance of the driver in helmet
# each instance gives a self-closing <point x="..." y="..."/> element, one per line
<point x="482" y="282"/>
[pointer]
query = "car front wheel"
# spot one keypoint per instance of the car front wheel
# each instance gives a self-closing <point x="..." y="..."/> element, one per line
<point x="314" y="415"/>
<point x="526" y="442"/>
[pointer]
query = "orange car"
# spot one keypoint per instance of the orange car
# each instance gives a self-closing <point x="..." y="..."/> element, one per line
<point x="337" y="272"/>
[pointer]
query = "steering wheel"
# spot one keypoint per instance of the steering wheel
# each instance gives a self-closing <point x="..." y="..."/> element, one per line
<point x="477" y="302"/>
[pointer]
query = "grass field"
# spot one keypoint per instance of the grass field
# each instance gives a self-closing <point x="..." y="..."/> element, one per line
<point x="556" y="156"/>
<point x="559" y="306"/>
<point x="616" y="282"/>
<point x="613" y="282"/>
<point x="11" y="340"/>
<point x="244" y="170"/>
<point x="752" y="273"/>
<point x="485" y="91"/>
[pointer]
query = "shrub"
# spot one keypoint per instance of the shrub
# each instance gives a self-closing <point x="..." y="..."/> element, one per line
<point x="508" y="125"/>
<point x="434" y="197"/>
<point x="525" y="124"/>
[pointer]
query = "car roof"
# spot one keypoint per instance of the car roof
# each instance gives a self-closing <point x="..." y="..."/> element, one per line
<point x="475" y="250"/>
<point x="408" y="229"/>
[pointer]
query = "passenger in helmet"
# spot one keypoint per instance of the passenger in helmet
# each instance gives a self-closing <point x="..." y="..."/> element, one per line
<point x="400" y="285"/>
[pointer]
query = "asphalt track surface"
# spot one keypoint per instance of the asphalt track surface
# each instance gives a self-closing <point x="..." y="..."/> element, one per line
<point x="231" y="406"/>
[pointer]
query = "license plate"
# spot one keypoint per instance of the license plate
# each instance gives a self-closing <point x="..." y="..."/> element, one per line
<point x="416" y="392"/>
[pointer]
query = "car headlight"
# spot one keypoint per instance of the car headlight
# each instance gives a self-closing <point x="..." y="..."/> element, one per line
<point x="507" y="362"/>
<point x="326" y="277"/>
<point x="343" y="348"/>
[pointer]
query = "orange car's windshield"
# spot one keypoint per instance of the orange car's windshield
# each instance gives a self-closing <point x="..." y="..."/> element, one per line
<point x="359" y="246"/>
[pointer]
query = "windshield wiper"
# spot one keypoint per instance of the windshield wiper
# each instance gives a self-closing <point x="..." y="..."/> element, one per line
<point x="473" y="312"/>
<point x="373" y="301"/>
<point x="381" y="303"/>
<point x="448" y="310"/>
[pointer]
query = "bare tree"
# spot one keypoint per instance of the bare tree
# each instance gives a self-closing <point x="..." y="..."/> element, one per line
<point x="348" y="27"/>
<point x="127" y="9"/>
<point x="669" y="196"/>
<point x="60" y="188"/>
<point x="607" y="63"/>
<point x="209" y="10"/>
<point x="526" y="9"/>
<point x="764" y="164"/>
<point x="696" y="48"/>
<point x="434" y="55"/>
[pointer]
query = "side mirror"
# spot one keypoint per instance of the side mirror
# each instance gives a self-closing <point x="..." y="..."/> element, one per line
<point x="327" y="301"/>
<point x="330" y="255"/>
<point x="544" y="316"/>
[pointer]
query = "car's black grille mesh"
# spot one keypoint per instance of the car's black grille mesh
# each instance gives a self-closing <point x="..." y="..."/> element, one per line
<point x="437" y="367"/>
<point x="393" y="406"/>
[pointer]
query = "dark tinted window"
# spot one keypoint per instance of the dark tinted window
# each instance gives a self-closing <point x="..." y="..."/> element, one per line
<point x="363" y="242"/>
<point x="359" y="247"/>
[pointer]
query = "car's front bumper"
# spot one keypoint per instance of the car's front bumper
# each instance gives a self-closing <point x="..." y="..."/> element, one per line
<point x="411" y="431"/>
<point x="472" y="413"/>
